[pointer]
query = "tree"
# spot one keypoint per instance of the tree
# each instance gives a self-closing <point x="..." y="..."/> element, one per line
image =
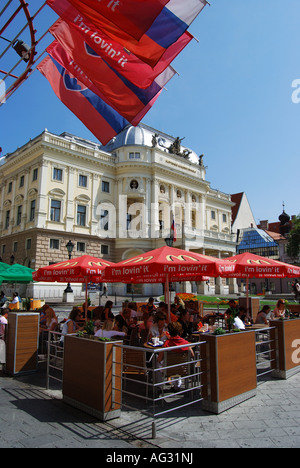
<point x="293" y="246"/>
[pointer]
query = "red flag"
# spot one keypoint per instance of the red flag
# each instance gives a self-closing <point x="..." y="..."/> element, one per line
<point x="150" y="48"/>
<point x="124" y="62"/>
<point x="132" y="16"/>
<point x="173" y="231"/>
<point x="96" y="115"/>
<point x="122" y="95"/>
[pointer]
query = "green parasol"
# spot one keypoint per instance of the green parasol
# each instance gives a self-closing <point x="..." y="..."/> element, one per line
<point x="16" y="274"/>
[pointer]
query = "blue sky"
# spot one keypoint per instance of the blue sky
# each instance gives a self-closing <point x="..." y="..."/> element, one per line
<point x="232" y="100"/>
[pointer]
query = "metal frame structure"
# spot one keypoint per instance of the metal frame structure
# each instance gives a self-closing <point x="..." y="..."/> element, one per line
<point x="32" y="51"/>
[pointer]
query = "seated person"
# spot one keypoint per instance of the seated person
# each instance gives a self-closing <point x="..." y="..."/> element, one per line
<point x="261" y="318"/>
<point x="122" y="320"/>
<point x="3" y="299"/>
<point x="233" y="308"/>
<point x="109" y="330"/>
<point x="178" y="302"/>
<point x="151" y="308"/>
<point x="51" y="321"/>
<point x="279" y="311"/>
<point x="140" y="333"/>
<point x="159" y="328"/>
<point x="107" y="312"/>
<point x="245" y="317"/>
<point x="71" y="325"/>
<point x="186" y="322"/>
<point x="15" y="299"/>
<point x="175" y="330"/>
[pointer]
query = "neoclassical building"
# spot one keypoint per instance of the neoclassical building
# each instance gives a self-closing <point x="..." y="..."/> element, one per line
<point x="112" y="202"/>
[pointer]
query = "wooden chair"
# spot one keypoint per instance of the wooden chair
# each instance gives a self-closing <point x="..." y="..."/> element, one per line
<point x="177" y="364"/>
<point x="134" y="361"/>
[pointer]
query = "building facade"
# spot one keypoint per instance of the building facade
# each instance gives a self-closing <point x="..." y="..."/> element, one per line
<point x="112" y="202"/>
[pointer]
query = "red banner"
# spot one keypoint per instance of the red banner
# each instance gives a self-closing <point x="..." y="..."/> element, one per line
<point x="146" y="49"/>
<point x="127" y="99"/>
<point x="95" y="114"/>
<point x="132" y="16"/>
<point x="124" y="62"/>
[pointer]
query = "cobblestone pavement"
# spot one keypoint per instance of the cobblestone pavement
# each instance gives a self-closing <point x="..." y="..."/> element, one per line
<point x="32" y="417"/>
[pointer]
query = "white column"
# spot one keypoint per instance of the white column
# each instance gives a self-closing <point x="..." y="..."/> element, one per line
<point x="155" y="210"/>
<point x="69" y="209"/>
<point x="41" y="208"/>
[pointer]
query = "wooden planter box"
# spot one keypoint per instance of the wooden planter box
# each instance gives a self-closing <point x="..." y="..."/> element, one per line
<point x="231" y="376"/>
<point x="22" y="342"/>
<point x="91" y="377"/>
<point x="287" y="336"/>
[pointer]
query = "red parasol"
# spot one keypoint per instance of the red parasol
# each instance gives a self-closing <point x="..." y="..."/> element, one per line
<point x="248" y="265"/>
<point x="165" y="265"/>
<point x="83" y="269"/>
<point x="254" y="266"/>
<point x="77" y="270"/>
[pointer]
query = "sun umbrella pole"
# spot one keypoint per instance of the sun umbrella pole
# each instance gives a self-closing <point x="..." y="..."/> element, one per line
<point x="86" y="299"/>
<point x="167" y="297"/>
<point x="247" y="293"/>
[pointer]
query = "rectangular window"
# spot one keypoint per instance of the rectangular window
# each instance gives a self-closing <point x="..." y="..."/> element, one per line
<point x="81" y="215"/>
<point x="21" y="181"/>
<point x="7" y="216"/>
<point x="104" y="250"/>
<point x="15" y="246"/>
<point x="213" y="215"/>
<point x="134" y="155"/>
<point x="19" y="215"/>
<point x="82" y="180"/>
<point x="28" y="244"/>
<point x="32" y="210"/>
<point x="55" y="210"/>
<point x="35" y="174"/>
<point x="3" y="249"/>
<point x="104" y="220"/>
<point x="105" y="186"/>
<point x="57" y="174"/>
<point x="224" y="218"/>
<point x="54" y="244"/>
<point x="80" y="246"/>
<point x="9" y="187"/>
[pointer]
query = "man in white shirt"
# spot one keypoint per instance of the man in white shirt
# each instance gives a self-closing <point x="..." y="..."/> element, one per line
<point x="238" y="323"/>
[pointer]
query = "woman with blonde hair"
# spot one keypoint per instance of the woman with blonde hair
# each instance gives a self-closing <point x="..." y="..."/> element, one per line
<point x="279" y="310"/>
<point x="51" y="319"/>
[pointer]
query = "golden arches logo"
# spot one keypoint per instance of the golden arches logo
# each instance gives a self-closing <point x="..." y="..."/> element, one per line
<point x="65" y="264"/>
<point x="181" y="258"/>
<point x="258" y="262"/>
<point x="138" y="260"/>
<point x="100" y="264"/>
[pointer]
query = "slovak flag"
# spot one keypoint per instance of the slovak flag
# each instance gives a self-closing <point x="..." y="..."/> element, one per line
<point x="124" y="62"/>
<point x="133" y="16"/>
<point x="172" y="22"/>
<point x="103" y="121"/>
<point x="127" y="99"/>
<point x="173" y="231"/>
